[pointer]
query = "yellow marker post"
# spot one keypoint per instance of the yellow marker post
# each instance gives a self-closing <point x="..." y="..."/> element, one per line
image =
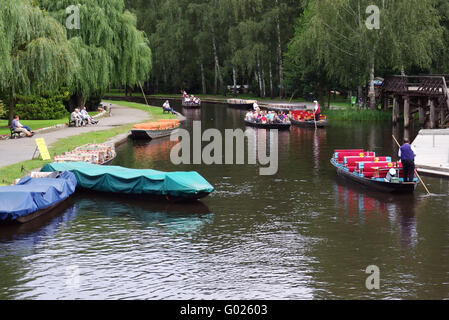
<point x="43" y="150"/>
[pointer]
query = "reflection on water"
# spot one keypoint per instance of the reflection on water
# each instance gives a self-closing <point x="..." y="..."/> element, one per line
<point x="360" y="205"/>
<point x="303" y="233"/>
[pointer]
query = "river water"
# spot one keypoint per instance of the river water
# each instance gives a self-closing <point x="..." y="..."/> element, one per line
<point x="302" y="233"/>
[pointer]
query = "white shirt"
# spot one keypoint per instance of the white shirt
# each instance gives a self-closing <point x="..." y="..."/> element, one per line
<point x="166" y="105"/>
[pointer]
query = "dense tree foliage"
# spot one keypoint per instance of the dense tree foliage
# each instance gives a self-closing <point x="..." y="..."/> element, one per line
<point x="276" y="47"/>
<point x="35" y="55"/>
<point x="206" y="45"/>
<point x="336" y="41"/>
<point x="110" y="49"/>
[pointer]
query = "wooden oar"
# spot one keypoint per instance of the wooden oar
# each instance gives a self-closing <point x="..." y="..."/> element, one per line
<point x="416" y="172"/>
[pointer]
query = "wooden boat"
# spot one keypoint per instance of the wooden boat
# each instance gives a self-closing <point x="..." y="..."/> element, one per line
<point x="308" y="123"/>
<point x="279" y="126"/>
<point x="240" y="104"/>
<point x="360" y="168"/>
<point x="191" y="105"/>
<point x="155" y="129"/>
<point x="33" y="197"/>
<point x="304" y="118"/>
<point x="96" y="153"/>
<point x="144" y="183"/>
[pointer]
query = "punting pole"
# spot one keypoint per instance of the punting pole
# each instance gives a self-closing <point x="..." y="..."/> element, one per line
<point x="416" y="172"/>
<point x="144" y="96"/>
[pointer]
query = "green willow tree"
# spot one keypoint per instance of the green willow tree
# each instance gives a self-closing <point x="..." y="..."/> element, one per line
<point x="341" y="35"/>
<point x="110" y="49"/>
<point x="35" y="56"/>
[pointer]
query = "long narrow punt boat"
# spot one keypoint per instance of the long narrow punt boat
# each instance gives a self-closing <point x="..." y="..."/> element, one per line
<point x="154" y="130"/>
<point x="309" y="123"/>
<point x="96" y="153"/>
<point x="34" y="197"/>
<point x="279" y="126"/>
<point x="191" y="105"/>
<point x="304" y="118"/>
<point x="240" y="103"/>
<point x="367" y="169"/>
<point x="146" y="183"/>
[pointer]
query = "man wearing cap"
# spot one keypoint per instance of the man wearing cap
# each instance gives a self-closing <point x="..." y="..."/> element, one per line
<point x="390" y="175"/>
<point x="407" y="154"/>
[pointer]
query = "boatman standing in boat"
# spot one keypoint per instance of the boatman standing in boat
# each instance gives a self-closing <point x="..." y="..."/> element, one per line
<point x="317" y="111"/>
<point x="407" y="154"/>
<point x="256" y="106"/>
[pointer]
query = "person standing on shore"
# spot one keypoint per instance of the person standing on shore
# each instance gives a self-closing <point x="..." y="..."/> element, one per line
<point x="407" y="154"/>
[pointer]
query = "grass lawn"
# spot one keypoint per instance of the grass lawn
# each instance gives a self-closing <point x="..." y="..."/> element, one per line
<point x="37" y="124"/>
<point x="9" y="173"/>
<point x="155" y="112"/>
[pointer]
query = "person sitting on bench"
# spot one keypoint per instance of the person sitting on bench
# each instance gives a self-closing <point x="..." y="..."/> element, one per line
<point x="18" y="127"/>
<point x="76" y="117"/>
<point x="167" y="108"/>
<point x="86" y="117"/>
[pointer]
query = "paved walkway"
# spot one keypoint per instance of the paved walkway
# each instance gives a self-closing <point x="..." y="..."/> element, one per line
<point x="18" y="150"/>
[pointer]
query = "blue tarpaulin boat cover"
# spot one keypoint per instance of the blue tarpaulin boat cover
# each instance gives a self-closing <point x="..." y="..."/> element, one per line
<point x="117" y="179"/>
<point x="33" y="194"/>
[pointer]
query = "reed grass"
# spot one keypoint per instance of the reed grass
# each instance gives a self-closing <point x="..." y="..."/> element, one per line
<point x="358" y="115"/>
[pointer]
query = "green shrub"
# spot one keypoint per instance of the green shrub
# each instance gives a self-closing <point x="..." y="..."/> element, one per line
<point x="3" y="110"/>
<point x="42" y="107"/>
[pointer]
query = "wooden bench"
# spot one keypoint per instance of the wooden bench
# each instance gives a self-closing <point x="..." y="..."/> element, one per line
<point x="14" y="134"/>
<point x="72" y="123"/>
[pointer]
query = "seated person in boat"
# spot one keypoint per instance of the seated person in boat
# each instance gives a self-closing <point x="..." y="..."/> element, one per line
<point x="197" y="100"/>
<point x="263" y="118"/>
<point x="283" y="117"/>
<point x="18" y="127"/>
<point x="249" y="116"/>
<point x="76" y="117"/>
<point x="390" y="175"/>
<point x="270" y="116"/>
<point x="166" y="107"/>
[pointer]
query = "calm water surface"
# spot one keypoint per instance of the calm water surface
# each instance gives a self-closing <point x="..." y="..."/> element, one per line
<point x="301" y="234"/>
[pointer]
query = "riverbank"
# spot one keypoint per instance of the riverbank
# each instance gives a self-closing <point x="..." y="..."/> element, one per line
<point x="335" y="104"/>
<point x="111" y="129"/>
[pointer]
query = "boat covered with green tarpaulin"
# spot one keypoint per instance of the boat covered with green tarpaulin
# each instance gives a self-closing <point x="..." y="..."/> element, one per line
<point x="141" y="182"/>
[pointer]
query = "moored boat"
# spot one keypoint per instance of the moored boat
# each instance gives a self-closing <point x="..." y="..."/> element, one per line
<point x="191" y="105"/>
<point x="367" y="169"/>
<point x="95" y="153"/>
<point x="240" y="103"/>
<point x="279" y="126"/>
<point x="309" y="123"/>
<point x="34" y="197"/>
<point x="304" y="118"/>
<point x="145" y="183"/>
<point x="155" y="129"/>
